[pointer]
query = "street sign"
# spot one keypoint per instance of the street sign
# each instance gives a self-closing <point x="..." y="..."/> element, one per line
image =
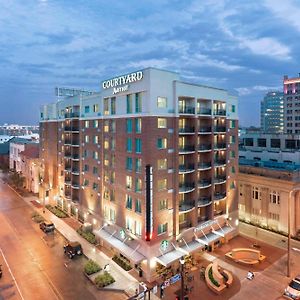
<point x="175" y="278"/>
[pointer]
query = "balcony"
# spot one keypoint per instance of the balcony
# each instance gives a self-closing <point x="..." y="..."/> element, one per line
<point x="186" y="188"/>
<point x="72" y="115"/>
<point x="204" y="183"/>
<point x="185" y="207"/>
<point x="75" y="144"/>
<point x="220" y="179"/>
<point x="68" y="168"/>
<point x="204" y="111"/>
<point x="220" y="146"/>
<point x="204" y="201"/>
<point x="204" y="166"/>
<point x="219" y="129"/>
<point x="186" y="149"/>
<point x="188" y="110"/>
<point x="68" y="181"/>
<point x="219" y="196"/>
<point x="183" y="169"/>
<point x="75" y="157"/>
<point x="75" y="171"/>
<point x="68" y="155"/>
<point x="68" y="196"/>
<point x="220" y="163"/>
<point x="75" y="186"/>
<point x="186" y="130"/>
<point x="204" y="130"/>
<point x="220" y="112"/>
<point x="68" y="142"/>
<point x="204" y="148"/>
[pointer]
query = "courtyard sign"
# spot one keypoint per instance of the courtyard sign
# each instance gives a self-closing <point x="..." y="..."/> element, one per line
<point x="122" y="80"/>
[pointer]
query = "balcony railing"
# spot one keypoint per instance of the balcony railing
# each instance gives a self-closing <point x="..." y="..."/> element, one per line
<point x="68" y="168"/>
<point x="186" y="206"/>
<point x="204" y="147"/>
<point x="186" y="168"/>
<point x="219" y="129"/>
<point x="219" y="163"/>
<point x="68" y="142"/>
<point x="220" y="112"/>
<point x="68" y="196"/>
<point x="75" y="143"/>
<point x="75" y="171"/>
<point x="204" y="201"/>
<point x="186" y="129"/>
<point x="204" y="165"/>
<point x="204" y="130"/>
<point x="219" y="196"/>
<point x="75" y="185"/>
<point x="219" y="179"/>
<point x="220" y="146"/>
<point x="75" y="156"/>
<point x="186" y="187"/>
<point x="69" y="128"/>
<point x="186" y="149"/>
<point x="204" y="183"/>
<point x="204" y="111"/>
<point x="68" y="155"/>
<point x="186" y="110"/>
<point x="72" y="115"/>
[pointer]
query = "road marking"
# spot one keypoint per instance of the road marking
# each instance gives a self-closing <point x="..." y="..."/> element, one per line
<point x="12" y="275"/>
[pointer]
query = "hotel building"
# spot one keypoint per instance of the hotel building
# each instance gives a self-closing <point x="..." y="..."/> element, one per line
<point x="150" y="161"/>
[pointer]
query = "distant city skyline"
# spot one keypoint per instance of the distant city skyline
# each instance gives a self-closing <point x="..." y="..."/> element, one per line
<point x="245" y="47"/>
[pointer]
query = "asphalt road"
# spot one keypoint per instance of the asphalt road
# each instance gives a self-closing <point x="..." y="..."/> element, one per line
<point x="34" y="265"/>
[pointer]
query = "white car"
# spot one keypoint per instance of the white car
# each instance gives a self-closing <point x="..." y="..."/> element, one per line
<point x="293" y="289"/>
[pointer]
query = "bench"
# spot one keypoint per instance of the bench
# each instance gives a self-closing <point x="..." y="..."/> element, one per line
<point x="246" y="256"/>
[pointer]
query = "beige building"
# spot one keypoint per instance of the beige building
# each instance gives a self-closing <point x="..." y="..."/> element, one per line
<point x="264" y="193"/>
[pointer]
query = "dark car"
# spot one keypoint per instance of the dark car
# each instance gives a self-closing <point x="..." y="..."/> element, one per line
<point x="72" y="249"/>
<point x="47" y="226"/>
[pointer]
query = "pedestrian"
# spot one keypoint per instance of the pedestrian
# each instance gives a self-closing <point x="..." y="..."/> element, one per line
<point x="162" y="290"/>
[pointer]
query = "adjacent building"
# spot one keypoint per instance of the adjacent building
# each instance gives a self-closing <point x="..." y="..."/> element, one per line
<point x="150" y="161"/>
<point x="17" y="130"/>
<point x="291" y="91"/>
<point x="271" y="113"/>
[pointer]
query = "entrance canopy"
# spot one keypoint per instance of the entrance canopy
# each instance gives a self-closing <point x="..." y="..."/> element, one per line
<point x="169" y="257"/>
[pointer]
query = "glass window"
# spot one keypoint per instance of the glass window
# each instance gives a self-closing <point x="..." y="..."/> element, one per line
<point x="95" y="123"/>
<point x="96" y="139"/>
<point x="275" y="197"/>
<point x="138" y="228"/>
<point x="138" y="125"/>
<point x="129" y="145"/>
<point x="232" y="123"/>
<point x="112" y="215"/>
<point x="95" y="108"/>
<point x="232" y="139"/>
<point x="106" y="143"/>
<point x="86" y="138"/>
<point x="232" y="169"/>
<point x="113" y="126"/>
<point x="161" y="102"/>
<point x="163" y="204"/>
<point x="138" y="102"/>
<point x="138" y="146"/>
<point x="162" y="164"/>
<point x="138" y="165"/>
<point x="128" y="202"/>
<point x="106" y="159"/>
<point x="162" y="184"/>
<point x="138" y="206"/>
<point x="232" y="154"/>
<point x="85" y="182"/>
<point x="275" y="143"/>
<point x="138" y="185"/>
<point x="86" y="124"/>
<point x="113" y="106"/>
<point x="85" y="153"/>
<point x="256" y="193"/>
<point x="161" y="123"/>
<point x="162" y="228"/>
<point x="106" y="126"/>
<point x="95" y="154"/>
<point x="129" y="104"/>
<point x="113" y="143"/>
<point x="86" y="168"/>
<point x="233" y="108"/>
<point x="95" y="170"/>
<point x="261" y="142"/>
<point x="95" y="186"/>
<point x="106" y="106"/>
<point x="129" y="182"/>
<point x="86" y="109"/>
<point x="129" y="163"/>
<point x="129" y="125"/>
<point x="162" y="143"/>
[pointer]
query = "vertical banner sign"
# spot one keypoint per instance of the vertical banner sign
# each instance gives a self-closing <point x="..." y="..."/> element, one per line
<point x="149" y="202"/>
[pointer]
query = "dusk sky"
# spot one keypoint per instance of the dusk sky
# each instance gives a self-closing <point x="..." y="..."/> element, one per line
<point x="243" y="46"/>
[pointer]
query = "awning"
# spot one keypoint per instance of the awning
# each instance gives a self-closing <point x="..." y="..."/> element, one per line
<point x="223" y="231"/>
<point x="192" y="246"/>
<point x="169" y="257"/>
<point x="132" y="254"/>
<point x="208" y="238"/>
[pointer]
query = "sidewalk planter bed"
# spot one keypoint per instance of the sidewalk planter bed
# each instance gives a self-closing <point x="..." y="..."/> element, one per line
<point x="56" y="211"/>
<point x="104" y="280"/>
<point x="211" y="277"/>
<point x="37" y="218"/>
<point x="91" y="267"/>
<point x="89" y="236"/>
<point x="122" y="263"/>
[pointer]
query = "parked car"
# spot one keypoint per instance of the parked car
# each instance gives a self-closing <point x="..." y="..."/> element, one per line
<point x="47" y="226"/>
<point x="73" y="248"/>
<point x="293" y="289"/>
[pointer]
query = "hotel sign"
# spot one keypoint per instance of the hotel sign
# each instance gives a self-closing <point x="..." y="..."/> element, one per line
<point x="121" y="83"/>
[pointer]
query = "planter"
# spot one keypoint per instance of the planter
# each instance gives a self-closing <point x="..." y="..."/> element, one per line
<point x="56" y="211"/>
<point x="89" y="236"/>
<point x="122" y="263"/>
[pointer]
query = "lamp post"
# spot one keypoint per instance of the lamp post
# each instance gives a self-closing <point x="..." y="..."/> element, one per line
<point x="182" y="278"/>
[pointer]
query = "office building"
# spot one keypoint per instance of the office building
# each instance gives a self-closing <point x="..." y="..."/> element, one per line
<point x="150" y="161"/>
<point x="271" y="113"/>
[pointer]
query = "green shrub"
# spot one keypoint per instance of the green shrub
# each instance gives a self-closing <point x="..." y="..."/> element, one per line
<point x="103" y="280"/>
<point x="91" y="267"/>
<point x="124" y="264"/>
<point x="89" y="236"/>
<point x="37" y="218"/>
<point x="211" y="277"/>
<point x="56" y="211"/>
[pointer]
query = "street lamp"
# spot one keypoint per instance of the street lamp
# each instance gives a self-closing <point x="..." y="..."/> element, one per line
<point x="289" y="230"/>
<point x="182" y="278"/>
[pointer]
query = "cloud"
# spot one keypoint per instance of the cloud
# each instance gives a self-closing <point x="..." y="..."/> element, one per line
<point x="244" y="91"/>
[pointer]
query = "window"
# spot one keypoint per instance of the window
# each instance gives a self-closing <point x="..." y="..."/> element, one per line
<point x="129" y="125"/>
<point x="129" y="182"/>
<point x="85" y="153"/>
<point x="138" y="228"/>
<point x="95" y="139"/>
<point x="129" y="163"/>
<point x="162" y="228"/>
<point x="86" y="109"/>
<point x="106" y="126"/>
<point x="232" y="169"/>
<point x="113" y="126"/>
<point x="232" y="139"/>
<point x="86" y="124"/>
<point x="261" y="142"/>
<point x="162" y="184"/>
<point x="95" y="154"/>
<point x="162" y="143"/>
<point x="95" y="170"/>
<point x="95" y="186"/>
<point x="232" y="123"/>
<point x="256" y="193"/>
<point x="113" y="106"/>
<point x="161" y="123"/>
<point x="138" y="146"/>
<point x="232" y="185"/>
<point x="113" y="144"/>
<point x="248" y="141"/>
<point x="275" y="197"/>
<point x="106" y="143"/>
<point x="162" y="164"/>
<point x="275" y="143"/>
<point x="129" y="104"/>
<point x="138" y="165"/>
<point x="129" y="145"/>
<point x="95" y="108"/>
<point x="112" y="215"/>
<point x="232" y="154"/>
<point x="106" y="159"/>
<point x="163" y="204"/>
<point x="128" y="202"/>
<point x="129" y="224"/>
<point x="86" y="168"/>
<point x="95" y="124"/>
<point x="85" y="182"/>
<point x="138" y="125"/>
<point x="138" y="206"/>
<point x="106" y="106"/>
<point x="138" y="185"/>
<point x="273" y="216"/>
<point x="161" y="102"/>
<point x="233" y="108"/>
<point x="86" y="139"/>
<point x="138" y="102"/>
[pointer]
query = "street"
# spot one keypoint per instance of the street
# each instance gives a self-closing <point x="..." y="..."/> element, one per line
<point x="38" y="267"/>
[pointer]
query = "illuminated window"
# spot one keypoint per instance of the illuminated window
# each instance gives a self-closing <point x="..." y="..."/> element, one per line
<point x="106" y="126"/>
<point x="129" y="182"/>
<point x="161" y="102"/>
<point x="138" y="206"/>
<point x="106" y="143"/>
<point x="138" y="185"/>
<point x="161" y="123"/>
<point x="275" y="197"/>
<point x="162" y="184"/>
<point x="163" y="204"/>
<point x="106" y="106"/>
<point x="162" y="164"/>
<point x="128" y="202"/>
<point x="86" y="124"/>
<point x="162" y="228"/>
<point x="106" y="159"/>
<point x="95" y="108"/>
<point x="138" y="165"/>
<point x="162" y="143"/>
<point x="96" y="139"/>
<point x="86" y="139"/>
<point x="95" y="155"/>
<point x="95" y="124"/>
<point x="138" y="125"/>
